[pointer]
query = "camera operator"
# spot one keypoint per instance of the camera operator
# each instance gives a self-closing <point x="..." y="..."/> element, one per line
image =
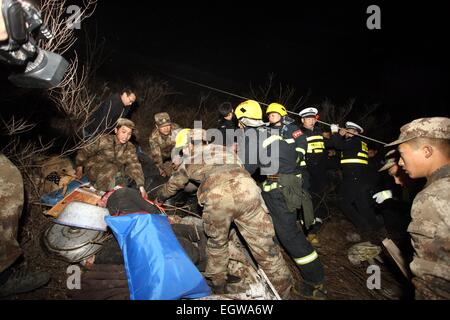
<point x="43" y="69"/>
<point x="21" y="26"/>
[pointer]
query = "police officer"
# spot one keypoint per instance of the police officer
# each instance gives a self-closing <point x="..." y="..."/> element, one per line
<point x="278" y="160"/>
<point x="316" y="161"/>
<point x="356" y="199"/>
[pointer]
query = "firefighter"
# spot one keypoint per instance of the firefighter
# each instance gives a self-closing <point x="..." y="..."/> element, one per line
<point x="278" y="119"/>
<point x="355" y="189"/>
<point x="316" y="161"/>
<point x="277" y="159"/>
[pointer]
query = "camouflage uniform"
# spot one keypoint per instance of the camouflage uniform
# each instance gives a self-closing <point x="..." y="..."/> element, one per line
<point x="430" y="217"/>
<point x="105" y="158"/>
<point x="228" y="194"/>
<point x="161" y="145"/>
<point x="11" y="199"/>
<point x="430" y="233"/>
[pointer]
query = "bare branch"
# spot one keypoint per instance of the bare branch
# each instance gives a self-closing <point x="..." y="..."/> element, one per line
<point x="55" y="18"/>
<point x="14" y="126"/>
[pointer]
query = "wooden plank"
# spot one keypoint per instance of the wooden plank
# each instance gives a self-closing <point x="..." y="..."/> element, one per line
<point x="78" y="194"/>
<point x="396" y="255"/>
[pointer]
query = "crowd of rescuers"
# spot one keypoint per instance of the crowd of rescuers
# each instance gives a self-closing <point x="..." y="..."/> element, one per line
<point x="291" y="159"/>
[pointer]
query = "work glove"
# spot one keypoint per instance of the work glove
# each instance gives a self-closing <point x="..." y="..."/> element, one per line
<point x="143" y="192"/>
<point x="334" y="128"/>
<point x="381" y="196"/>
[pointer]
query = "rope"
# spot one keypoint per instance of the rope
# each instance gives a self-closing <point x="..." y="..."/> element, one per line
<point x="261" y="103"/>
<point x="211" y="88"/>
<point x="184" y="210"/>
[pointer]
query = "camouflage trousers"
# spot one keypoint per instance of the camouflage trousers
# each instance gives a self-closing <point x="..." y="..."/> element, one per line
<point x="11" y="204"/>
<point x="431" y="288"/>
<point x="239" y="200"/>
<point x="103" y="175"/>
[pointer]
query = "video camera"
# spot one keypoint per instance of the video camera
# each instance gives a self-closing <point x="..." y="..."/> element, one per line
<point x="42" y="69"/>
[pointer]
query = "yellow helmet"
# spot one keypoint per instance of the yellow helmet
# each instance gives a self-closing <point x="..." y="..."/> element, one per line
<point x="182" y="138"/>
<point x="276" y="107"/>
<point x="248" y="109"/>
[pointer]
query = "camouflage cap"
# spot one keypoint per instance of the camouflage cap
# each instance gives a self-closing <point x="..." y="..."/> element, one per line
<point x="436" y="127"/>
<point x="391" y="159"/>
<point x="162" y="119"/>
<point x="125" y="122"/>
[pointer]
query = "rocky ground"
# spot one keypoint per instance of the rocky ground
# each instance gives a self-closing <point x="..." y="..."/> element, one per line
<point x="344" y="280"/>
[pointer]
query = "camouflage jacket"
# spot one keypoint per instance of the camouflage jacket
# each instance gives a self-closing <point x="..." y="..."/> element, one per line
<point x="430" y="233"/>
<point x="161" y="146"/>
<point x="209" y="166"/>
<point x="108" y="149"/>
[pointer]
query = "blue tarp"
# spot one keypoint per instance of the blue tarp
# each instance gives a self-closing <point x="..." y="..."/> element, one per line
<point x="157" y="266"/>
<point x="56" y="196"/>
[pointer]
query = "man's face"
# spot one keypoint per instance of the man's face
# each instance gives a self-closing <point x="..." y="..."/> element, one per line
<point x="229" y="116"/>
<point x="372" y="153"/>
<point x="398" y="174"/>
<point x="350" y="133"/>
<point x="165" y="130"/>
<point x="123" y="134"/>
<point x="128" y="99"/>
<point x="413" y="160"/>
<point x="274" y="117"/>
<point x="309" y="122"/>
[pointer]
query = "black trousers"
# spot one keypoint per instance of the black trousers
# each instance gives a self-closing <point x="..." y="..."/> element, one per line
<point x="291" y="237"/>
<point x="318" y="181"/>
<point x="357" y="205"/>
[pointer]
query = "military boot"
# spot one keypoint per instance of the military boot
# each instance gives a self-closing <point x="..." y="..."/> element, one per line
<point x="311" y="291"/>
<point x="22" y="280"/>
<point x="217" y="287"/>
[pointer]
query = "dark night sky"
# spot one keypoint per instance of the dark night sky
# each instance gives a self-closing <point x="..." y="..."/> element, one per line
<point x="326" y="48"/>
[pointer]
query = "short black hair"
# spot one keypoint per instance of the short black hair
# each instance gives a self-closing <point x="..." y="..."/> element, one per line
<point x="127" y="90"/>
<point x="225" y="108"/>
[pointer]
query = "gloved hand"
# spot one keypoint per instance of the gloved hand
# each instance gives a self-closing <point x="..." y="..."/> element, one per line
<point x="381" y="196"/>
<point x="334" y="128"/>
<point x="143" y="192"/>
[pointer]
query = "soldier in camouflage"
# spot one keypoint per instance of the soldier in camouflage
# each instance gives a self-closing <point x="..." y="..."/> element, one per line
<point x="11" y="195"/>
<point x="12" y="280"/>
<point x="424" y="146"/>
<point x="161" y="143"/>
<point x="110" y="156"/>
<point x="228" y="194"/>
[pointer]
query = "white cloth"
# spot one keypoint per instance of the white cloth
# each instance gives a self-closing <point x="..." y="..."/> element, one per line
<point x="334" y="128"/>
<point x="381" y="196"/>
